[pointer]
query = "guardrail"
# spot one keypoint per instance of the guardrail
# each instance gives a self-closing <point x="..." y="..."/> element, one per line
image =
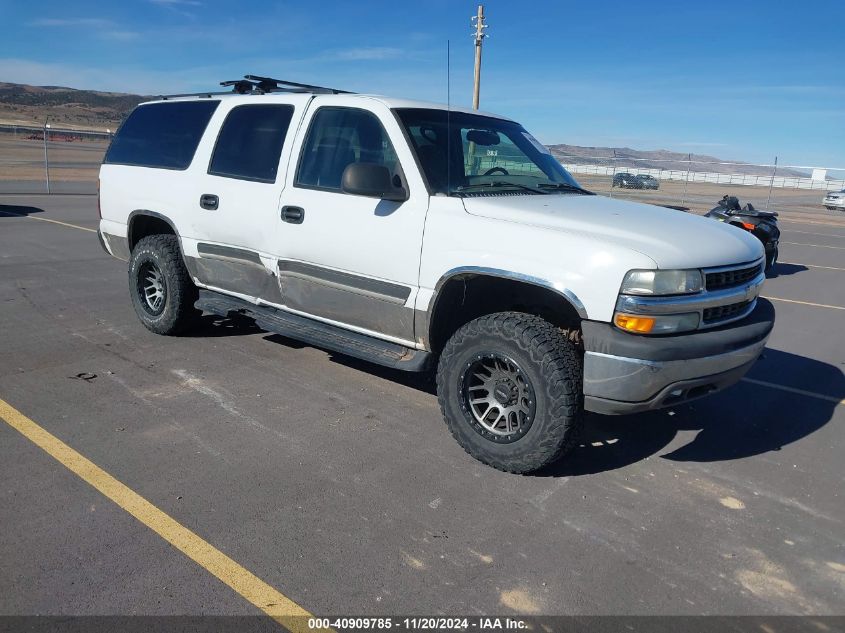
<point x="53" y="133"/>
<point x="754" y="180"/>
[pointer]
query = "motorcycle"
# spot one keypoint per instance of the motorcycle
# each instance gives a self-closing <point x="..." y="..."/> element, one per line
<point x="762" y="224"/>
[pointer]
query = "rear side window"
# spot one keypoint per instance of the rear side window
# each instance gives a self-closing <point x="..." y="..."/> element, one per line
<point x="163" y="135"/>
<point x="250" y="142"/>
<point x="337" y="138"/>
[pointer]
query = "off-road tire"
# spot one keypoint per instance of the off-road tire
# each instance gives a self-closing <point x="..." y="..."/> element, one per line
<point x="178" y="313"/>
<point x="771" y="260"/>
<point x="548" y="359"/>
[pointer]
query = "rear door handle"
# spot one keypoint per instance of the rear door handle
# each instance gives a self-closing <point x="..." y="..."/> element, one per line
<point x="293" y="215"/>
<point x="209" y="201"/>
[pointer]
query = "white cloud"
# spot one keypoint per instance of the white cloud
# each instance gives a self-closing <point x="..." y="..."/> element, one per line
<point x="700" y="144"/>
<point x="119" y="36"/>
<point x="71" y="22"/>
<point x="367" y="53"/>
<point x="104" y="29"/>
<point x="117" y="79"/>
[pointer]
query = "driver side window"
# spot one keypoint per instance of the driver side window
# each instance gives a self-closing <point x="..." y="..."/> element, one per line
<point x="338" y="137"/>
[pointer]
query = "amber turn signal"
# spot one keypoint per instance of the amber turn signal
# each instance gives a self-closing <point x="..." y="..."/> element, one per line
<point x="634" y="323"/>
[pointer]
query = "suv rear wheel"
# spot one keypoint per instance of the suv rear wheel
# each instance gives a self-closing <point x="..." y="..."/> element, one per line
<point x="509" y="387"/>
<point x="162" y="292"/>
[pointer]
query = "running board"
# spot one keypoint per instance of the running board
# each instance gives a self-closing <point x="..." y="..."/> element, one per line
<point x="316" y="333"/>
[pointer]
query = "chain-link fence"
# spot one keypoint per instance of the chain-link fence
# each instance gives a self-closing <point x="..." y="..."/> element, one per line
<point x="63" y="160"/>
<point x="47" y="159"/>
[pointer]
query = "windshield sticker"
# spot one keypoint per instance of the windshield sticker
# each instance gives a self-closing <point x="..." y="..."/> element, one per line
<point x="537" y="144"/>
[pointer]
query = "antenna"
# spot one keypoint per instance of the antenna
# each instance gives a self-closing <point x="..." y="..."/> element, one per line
<point x="448" y="120"/>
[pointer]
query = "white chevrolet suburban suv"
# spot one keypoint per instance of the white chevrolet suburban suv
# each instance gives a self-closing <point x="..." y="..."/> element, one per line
<point x="416" y="236"/>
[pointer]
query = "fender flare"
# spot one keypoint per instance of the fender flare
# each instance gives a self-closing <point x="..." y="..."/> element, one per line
<point x="566" y="293"/>
<point x="423" y="320"/>
<point x="152" y="214"/>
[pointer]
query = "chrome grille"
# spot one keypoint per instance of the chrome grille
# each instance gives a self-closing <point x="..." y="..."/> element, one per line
<point x="721" y="313"/>
<point x="731" y="278"/>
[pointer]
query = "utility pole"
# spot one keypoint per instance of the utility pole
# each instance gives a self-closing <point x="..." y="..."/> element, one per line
<point x="479" y="38"/>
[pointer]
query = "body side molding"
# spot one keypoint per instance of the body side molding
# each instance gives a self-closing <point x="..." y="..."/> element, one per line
<point x="218" y="251"/>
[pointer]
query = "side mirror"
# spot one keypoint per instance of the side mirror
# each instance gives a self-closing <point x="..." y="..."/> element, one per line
<point x="374" y="181"/>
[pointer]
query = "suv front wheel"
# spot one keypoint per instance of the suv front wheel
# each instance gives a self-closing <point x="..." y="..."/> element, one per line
<point x="162" y="292"/>
<point x="509" y="387"/>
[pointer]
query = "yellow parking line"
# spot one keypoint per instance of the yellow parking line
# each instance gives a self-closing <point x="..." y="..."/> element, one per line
<point x="839" y="248"/>
<point x="806" y="303"/>
<point x="802" y="392"/>
<point x="32" y="217"/>
<point x="810" y="266"/>
<point x="258" y="592"/>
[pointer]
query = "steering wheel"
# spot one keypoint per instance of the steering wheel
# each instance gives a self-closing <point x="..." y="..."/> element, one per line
<point x="493" y="170"/>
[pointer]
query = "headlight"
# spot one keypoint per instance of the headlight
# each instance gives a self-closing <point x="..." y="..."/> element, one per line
<point x="662" y="282"/>
<point x="657" y="324"/>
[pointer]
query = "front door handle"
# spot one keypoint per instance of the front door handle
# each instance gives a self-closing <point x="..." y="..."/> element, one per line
<point x="209" y="201"/>
<point x="293" y="215"/>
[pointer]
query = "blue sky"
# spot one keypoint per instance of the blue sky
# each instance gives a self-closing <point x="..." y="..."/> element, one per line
<point x="737" y="79"/>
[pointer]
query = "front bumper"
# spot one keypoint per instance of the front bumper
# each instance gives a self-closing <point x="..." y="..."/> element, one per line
<point x="834" y="202"/>
<point x="627" y="373"/>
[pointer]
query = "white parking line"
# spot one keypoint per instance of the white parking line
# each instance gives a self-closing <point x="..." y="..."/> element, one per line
<point x="802" y="392"/>
<point x="837" y="224"/>
<point x="810" y="266"/>
<point x="839" y="248"/>
<point x="841" y="237"/>
<point x="806" y="303"/>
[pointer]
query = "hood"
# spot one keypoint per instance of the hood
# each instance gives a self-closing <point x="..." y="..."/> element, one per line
<point x="673" y="239"/>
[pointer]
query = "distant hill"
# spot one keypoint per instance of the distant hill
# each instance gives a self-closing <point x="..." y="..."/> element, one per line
<point x="23" y="104"/>
<point x="660" y="159"/>
<point x="69" y="107"/>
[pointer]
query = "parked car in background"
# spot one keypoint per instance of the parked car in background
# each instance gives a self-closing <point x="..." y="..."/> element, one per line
<point x="625" y="180"/>
<point x="648" y="182"/>
<point x="835" y="200"/>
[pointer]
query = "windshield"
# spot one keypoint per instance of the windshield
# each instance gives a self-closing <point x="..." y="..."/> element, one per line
<point x="481" y="155"/>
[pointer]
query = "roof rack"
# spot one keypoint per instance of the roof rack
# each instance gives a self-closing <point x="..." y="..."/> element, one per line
<point x="255" y="84"/>
<point x="268" y="84"/>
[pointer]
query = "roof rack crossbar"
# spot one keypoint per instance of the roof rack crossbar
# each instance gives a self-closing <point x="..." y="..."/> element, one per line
<point x="256" y="84"/>
<point x="192" y="94"/>
<point x="280" y="84"/>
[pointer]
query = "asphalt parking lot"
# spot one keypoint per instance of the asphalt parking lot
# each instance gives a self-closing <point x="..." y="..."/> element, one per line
<point x="336" y="483"/>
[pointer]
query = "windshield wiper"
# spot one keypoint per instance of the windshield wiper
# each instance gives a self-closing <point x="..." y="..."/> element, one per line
<point x="498" y="183"/>
<point x="564" y="186"/>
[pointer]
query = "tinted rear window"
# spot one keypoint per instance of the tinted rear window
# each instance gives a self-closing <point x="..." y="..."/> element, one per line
<point x="250" y="142"/>
<point x="162" y="135"/>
